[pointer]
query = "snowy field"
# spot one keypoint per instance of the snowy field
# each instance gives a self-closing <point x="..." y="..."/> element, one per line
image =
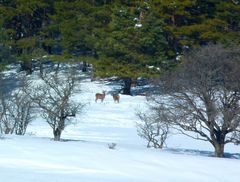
<point x="84" y="156"/>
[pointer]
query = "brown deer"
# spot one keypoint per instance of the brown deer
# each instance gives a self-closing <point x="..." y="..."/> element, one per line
<point x="100" y="96"/>
<point x="116" y="97"/>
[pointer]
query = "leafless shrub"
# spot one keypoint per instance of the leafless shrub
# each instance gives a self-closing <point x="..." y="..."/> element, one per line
<point x="53" y="97"/>
<point x="22" y="107"/>
<point x="153" y="128"/>
<point x="17" y="110"/>
<point x="7" y="124"/>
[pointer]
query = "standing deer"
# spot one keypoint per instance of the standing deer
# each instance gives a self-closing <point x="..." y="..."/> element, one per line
<point x="100" y="96"/>
<point x="116" y="97"/>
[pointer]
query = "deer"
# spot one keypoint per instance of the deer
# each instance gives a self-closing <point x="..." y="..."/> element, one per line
<point x="116" y="97"/>
<point x="100" y="96"/>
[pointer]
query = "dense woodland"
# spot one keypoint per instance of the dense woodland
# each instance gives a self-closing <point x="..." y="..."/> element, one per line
<point x="120" y="37"/>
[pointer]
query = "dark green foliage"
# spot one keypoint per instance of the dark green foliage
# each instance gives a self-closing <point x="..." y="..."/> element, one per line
<point x="5" y="54"/>
<point x="23" y="21"/>
<point x="192" y="23"/>
<point x="122" y="38"/>
<point x="132" y="43"/>
<point x="5" y="57"/>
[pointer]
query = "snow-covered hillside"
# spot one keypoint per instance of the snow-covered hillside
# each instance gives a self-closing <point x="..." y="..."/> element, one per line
<point x="84" y="154"/>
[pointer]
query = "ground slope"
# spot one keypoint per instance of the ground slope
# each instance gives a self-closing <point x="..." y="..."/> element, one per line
<point x="84" y="154"/>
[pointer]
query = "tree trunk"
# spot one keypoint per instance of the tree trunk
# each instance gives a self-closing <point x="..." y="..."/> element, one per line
<point x="7" y="131"/>
<point x="57" y="134"/>
<point x="84" y="66"/>
<point x="57" y="68"/>
<point x="41" y="68"/>
<point x="219" y="150"/>
<point x="20" y="129"/>
<point x="27" y="66"/>
<point x="127" y="86"/>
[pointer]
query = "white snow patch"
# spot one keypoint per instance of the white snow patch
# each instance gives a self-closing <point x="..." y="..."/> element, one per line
<point x="84" y="154"/>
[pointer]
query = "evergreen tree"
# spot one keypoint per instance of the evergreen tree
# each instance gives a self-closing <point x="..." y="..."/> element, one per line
<point x="23" y="21"/>
<point x="133" y="43"/>
<point x="178" y="16"/>
<point x="191" y="23"/>
<point x="122" y="38"/>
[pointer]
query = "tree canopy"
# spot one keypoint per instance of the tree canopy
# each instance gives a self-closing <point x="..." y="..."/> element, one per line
<point x="122" y="38"/>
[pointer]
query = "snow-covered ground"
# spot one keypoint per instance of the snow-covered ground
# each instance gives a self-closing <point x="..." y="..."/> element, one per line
<point x="84" y="155"/>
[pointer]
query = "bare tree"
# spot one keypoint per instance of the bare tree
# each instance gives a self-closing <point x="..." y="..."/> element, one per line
<point x="53" y="97"/>
<point x="202" y="96"/>
<point x="21" y="107"/>
<point x="6" y="123"/>
<point x="17" y="110"/>
<point x="152" y="130"/>
<point x="6" y="126"/>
